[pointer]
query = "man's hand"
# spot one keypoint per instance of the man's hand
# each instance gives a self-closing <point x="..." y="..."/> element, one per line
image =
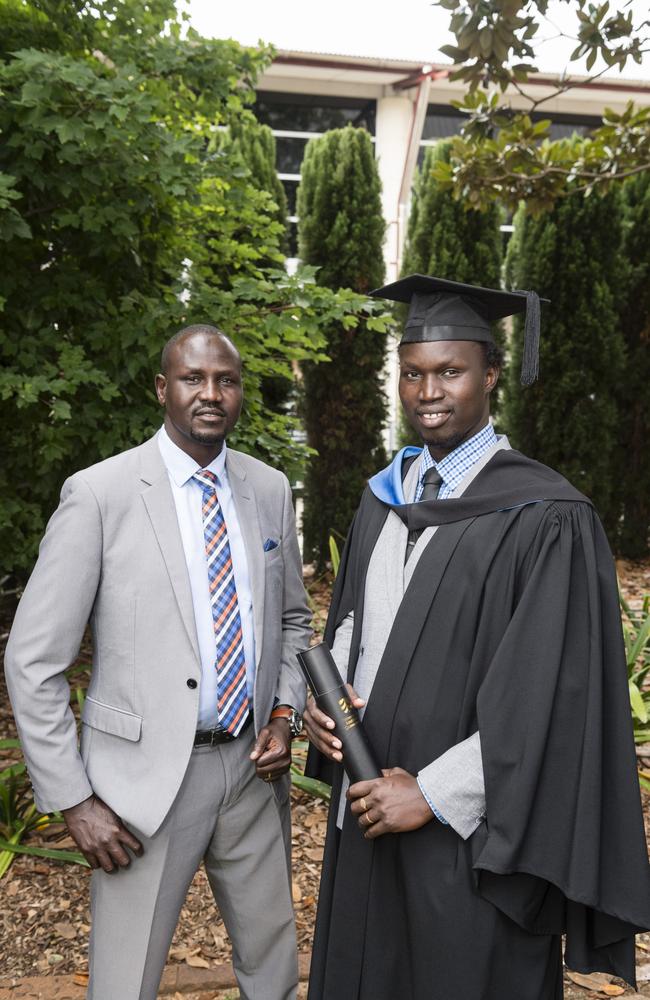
<point x="100" y="835"/>
<point x="272" y="750"/>
<point x="392" y="804"/>
<point x="319" y="726"/>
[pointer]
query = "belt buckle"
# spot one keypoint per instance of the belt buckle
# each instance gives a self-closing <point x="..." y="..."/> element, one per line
<point x="220" y="736"/>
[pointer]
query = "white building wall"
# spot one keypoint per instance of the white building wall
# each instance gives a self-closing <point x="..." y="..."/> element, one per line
<point x="393" y="133"/>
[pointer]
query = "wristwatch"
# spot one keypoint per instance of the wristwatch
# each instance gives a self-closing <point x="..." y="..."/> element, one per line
<point x="293" y="718"/>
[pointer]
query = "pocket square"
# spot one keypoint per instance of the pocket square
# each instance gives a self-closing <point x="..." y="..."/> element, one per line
<point x="269" y="544"/>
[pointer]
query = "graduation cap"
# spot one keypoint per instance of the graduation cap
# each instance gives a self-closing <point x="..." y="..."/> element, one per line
<point x="450" y="310"/>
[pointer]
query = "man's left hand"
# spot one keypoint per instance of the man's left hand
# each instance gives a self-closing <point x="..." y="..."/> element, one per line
<point x="392" y="804"/>
<point x="272" y="750"/>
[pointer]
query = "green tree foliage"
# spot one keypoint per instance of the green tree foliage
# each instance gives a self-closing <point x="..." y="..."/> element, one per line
<point x="122" y="219"/>
<point x="447" y="239"/>
<point x="502" y="150"/>
<point x="568" y="419"/>
<point x="634" y="393"/>
<point x="341" y="231"/>
<point x="256" y="143"/>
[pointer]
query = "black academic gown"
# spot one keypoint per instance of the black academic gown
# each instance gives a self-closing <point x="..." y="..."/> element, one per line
<point x="510" y="625"/>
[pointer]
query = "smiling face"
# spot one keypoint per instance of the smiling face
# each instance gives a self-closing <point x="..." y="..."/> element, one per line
<point x="445" y="387"/>
<point x="201" y="392"/>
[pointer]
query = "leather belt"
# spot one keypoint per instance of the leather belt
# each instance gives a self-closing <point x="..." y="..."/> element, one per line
<point x="213" y="737"/>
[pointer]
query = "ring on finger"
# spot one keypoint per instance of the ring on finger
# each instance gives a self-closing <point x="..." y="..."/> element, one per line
<point x="364" y="805"/>
<point x="369" y="820"/>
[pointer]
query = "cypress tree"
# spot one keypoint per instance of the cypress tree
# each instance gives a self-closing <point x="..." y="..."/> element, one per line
<point x="449" y="240"/>
<point x="256" y="145"/>
<point x="341" y="231"/>
<point x="634" y="390"/>
<point x="569" y="419"/>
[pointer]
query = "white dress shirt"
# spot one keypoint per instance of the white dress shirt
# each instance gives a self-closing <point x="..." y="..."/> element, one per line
<point x="188" y="498"/>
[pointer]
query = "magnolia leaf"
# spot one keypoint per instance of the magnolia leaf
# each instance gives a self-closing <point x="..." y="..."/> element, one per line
<point x="197" y="962"/>
<point x="600" y="982"/>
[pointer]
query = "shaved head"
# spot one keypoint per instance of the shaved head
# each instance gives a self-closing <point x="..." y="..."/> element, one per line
<point x="194" y="329"/>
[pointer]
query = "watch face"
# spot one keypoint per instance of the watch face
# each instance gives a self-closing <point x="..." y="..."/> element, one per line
<point x="295" y="723"/>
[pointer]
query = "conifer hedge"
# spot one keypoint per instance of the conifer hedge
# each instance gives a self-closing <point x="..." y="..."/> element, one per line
<point x="569" y="418"/>
<point x="634" y="389"/>
<point x="447" y="239"/>
<point x="341" y="230"/>
<point x="256" y="145"/>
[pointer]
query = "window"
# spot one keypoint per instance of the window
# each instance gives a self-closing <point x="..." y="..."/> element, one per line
<point x="295" y="119"/>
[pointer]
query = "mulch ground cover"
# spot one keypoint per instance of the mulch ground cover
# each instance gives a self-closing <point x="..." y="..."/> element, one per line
<point x="44" y="909"/>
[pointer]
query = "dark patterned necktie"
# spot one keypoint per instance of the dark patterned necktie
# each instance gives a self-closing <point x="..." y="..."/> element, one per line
<point x="232" y="691"/>
<point x="432" y="483"/>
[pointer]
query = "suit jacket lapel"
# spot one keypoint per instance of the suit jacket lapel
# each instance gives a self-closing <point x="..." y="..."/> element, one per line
<point x="158" y="500"/>
<point x="246" y="506"/>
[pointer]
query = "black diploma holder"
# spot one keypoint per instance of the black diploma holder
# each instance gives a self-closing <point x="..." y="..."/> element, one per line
<point x="331" y="695"/>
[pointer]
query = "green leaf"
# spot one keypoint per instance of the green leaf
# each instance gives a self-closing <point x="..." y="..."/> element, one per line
<point x="638" y="706"/>
<point x="60" y="410"/>
<point x="640" y="641"/>
<point x="9" y="744"/>
<point x="335" y="557"/>
<point x="310" y="785"/>
<point x="72" y="857"/>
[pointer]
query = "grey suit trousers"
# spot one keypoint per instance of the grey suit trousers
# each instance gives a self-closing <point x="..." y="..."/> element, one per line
<point x="227" y="817"/>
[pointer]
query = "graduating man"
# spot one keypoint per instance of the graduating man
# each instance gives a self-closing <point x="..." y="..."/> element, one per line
<point x="182" y="554"/>
<point x="476" y="617"/>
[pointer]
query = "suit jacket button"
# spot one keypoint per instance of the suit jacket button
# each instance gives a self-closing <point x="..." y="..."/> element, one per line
<point x="191" y="683"/>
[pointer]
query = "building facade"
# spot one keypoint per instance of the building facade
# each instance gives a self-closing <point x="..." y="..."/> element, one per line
<point x="405" y="107"/>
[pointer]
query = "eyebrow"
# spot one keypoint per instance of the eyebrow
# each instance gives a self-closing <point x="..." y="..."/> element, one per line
<point x="438" y="366"/>
<point x="189" y="370"/>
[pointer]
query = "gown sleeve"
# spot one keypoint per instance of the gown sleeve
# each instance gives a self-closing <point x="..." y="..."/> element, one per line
<point x="563" y="848"/>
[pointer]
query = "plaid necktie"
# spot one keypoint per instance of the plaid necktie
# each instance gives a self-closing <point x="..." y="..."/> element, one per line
<point x="232" y="692"/>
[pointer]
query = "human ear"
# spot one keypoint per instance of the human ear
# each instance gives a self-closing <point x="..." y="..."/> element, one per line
<point x="491" y="377"/>
<point x="161" y="388"/>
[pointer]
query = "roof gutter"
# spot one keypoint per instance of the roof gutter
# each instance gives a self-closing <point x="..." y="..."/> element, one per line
<point x="534" y="80"/>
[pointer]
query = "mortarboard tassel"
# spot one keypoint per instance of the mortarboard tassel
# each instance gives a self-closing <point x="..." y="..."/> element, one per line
<point x="530" y="361"/>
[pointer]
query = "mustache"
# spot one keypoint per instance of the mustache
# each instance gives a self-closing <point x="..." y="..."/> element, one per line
<point x="208" y="409"/>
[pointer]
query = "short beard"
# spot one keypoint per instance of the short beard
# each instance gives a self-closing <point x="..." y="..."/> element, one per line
<point x="203" y="437"/>
<point x="449" y="443"/>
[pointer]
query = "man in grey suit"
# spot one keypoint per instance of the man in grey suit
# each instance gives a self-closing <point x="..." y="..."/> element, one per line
<point x="182" y="555"/>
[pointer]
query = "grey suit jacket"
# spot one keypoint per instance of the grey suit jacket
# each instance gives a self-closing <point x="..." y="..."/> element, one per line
<point x="112" y="555"/>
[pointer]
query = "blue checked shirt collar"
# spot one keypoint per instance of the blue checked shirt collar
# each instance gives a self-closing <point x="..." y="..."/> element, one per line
<point x="457" y="463"/>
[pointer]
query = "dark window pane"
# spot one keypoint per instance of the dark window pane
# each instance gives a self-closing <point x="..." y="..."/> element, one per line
<point x="289" y="154"/>
<point x="293" y="239"/>
<point x="290" y="189"/>
<point x="567" y="125"/>
<point x="313" y="113"/>
<point x="564" y="130"/>
<point x="439" y="123"/>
